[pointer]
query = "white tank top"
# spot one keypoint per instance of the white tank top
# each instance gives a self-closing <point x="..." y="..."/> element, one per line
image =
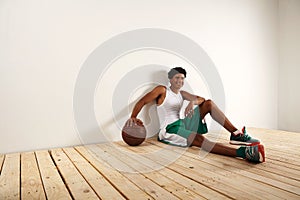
<point x="168" y="111"/>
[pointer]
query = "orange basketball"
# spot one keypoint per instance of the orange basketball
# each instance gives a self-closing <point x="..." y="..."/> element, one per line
<point x="134" y="135"/>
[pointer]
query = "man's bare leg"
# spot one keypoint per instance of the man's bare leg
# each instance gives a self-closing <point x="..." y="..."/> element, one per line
<point x="209" y="106"/>
<point x="218" y="148"/>
<point x="254" y="153"/>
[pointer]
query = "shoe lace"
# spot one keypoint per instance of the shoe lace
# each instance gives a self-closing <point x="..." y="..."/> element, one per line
<point x="250" y="153"/>
<point x="245" y="137"/>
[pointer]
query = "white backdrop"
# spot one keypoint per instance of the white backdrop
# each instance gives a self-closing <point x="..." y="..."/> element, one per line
<point x="289" y="71"/>
<point x="44" y="44"/>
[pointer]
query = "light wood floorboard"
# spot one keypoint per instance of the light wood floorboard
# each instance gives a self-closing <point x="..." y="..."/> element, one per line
<point x="154" y="170"/>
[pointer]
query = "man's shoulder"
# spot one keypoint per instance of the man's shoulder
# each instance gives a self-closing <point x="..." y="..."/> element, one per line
<point x="183" y="92"/>
<point x="160" y="88"/>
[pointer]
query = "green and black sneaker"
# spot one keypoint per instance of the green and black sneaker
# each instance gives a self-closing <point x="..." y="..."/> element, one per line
<point x="243" y="139"/>
<point x="255" y="153"/>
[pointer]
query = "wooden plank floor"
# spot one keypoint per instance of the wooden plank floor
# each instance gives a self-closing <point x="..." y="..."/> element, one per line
<point x="153" y="170"/>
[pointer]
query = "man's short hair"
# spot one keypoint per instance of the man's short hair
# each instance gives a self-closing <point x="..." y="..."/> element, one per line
<point x="176" y="70"/>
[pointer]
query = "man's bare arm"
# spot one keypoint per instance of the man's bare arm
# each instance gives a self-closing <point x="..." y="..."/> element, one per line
<point x="194" y="100"/>
<point x="149" y="97"/>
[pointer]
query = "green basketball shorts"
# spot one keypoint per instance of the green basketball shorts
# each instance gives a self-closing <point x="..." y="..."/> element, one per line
<point x="184" y="127"/>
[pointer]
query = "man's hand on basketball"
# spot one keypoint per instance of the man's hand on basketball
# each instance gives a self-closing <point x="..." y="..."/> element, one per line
<point x="189" y="110"/>
<point x="132" y="121"/>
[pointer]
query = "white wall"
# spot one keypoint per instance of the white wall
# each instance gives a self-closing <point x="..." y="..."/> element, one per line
<point x="44" y="44"/>
<point x="289" y="95"/>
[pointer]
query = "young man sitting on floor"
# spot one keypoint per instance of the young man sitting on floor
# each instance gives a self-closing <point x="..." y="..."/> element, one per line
<point x="190" y="130"/>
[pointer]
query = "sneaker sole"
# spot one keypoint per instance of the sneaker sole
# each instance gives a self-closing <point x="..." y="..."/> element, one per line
<point x="261" y="150"/>
<point x="233" y="142"/>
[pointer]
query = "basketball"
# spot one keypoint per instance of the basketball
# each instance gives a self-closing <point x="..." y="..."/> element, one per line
<point x="134" y="135"/>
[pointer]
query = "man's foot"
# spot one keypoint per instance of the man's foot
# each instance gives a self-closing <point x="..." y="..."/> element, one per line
<point x="255" y="153"/>
<point x="243" y="139"/>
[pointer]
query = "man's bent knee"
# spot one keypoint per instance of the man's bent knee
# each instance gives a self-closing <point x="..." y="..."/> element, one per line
<point x="208" y="104"/>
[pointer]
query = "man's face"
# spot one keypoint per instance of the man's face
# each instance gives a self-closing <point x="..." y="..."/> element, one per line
<point x="177" y="81"/>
